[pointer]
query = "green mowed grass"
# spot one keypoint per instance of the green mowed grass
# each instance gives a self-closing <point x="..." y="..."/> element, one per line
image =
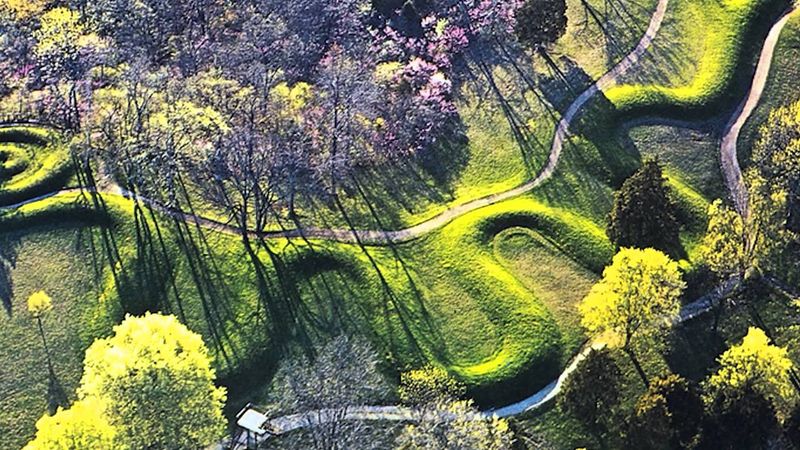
<point x="692" y="153"/>
<point x="446" y="299"/>
<point x="696" y="59"/>
<point x="558" y="281"/>
<point x="781" y="88"/>
<point x="32" y="162"/>
<point x="53" y="258"/>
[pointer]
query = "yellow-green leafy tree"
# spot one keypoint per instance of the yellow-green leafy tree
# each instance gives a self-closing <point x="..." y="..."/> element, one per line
<point x="39" y="304"/>
<point x="22" y="10"/>
<point x="77" y="428"/>
<point x="149" y="386"/>
<point x="728" y="248"/>
<point x="155" y="379"/>
<point x="66" y="48"/>
<point x="427" y="386"/>
<point x="638" y="295"/>
<point x="758" y="364"/>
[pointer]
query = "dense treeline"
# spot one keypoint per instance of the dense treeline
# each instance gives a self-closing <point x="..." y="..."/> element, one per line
<point x="257" y="102"/>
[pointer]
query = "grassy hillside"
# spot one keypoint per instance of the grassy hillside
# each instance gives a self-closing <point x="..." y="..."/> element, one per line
<point x="781" y="88"/>
<point x="491" y="296"/>
<point x="713" y="38"/>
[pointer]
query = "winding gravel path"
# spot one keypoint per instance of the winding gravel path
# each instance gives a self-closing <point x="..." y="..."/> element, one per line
<point x="392" y="413"/>
<point x="381" y="237"/>
<point x="728" y="149"/>
<point x="730" y="166"/>
<point x="734" y="182"/>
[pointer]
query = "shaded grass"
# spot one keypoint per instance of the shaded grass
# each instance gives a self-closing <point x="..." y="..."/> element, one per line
<point x="444" y="299"/>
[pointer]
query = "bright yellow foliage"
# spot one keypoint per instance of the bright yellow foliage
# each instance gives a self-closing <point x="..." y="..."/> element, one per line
<point x="150" y="385"/>
<point x="428" y="384"/>
<point x="724" y="246"/>
<point x="388" y="70"/>
<point x="640" y="289"/>
<point x="23" y="9"/>
<point x="293" y="98"/>
<point x="80" y="427"/>
<point x="39" y="303"/>
<point x="60" y="28"/>
<point x="155" y="378"/>
<point x="758" y="363"/>
<point x="187" y="115"/>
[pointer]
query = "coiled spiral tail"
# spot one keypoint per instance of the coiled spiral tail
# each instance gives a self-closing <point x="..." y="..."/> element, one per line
<point x="33" y="161"/>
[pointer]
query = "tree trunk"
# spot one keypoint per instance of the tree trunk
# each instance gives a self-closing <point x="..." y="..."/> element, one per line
<point x="44" y="342"/>
<point x="628" y="351"/>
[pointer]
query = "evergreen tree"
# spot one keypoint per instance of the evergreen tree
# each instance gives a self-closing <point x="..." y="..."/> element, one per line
<point x="540" y="23"/>
<point x="643" y="214"/>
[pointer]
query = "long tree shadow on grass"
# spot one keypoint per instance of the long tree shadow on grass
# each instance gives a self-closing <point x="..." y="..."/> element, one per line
<point x="620" y="26"/>
<point x="212" y="292"/>
<point x="417" y="295"/>
<point x="559" y="94"/>
<point x="8" y="259"/>
<point x="529" y="145"/>
<point x="56" y="394"/>
<point x="391" y="298"/>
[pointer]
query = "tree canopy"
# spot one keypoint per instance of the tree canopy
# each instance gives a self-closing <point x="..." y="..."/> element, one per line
<point x="592" y="392"/>
<point x="668" y="415"/>
<point x="639" y="291"/>
<point x="643" y="215"/>
<point x="78" y="428"/>
<point x="150" y="385"/>
<point x="638" y="294"/>
<point x="728" y="247"/>
<point x="758" y="364"/>
<point x="39" y="303"/>
<point x="541" y="22"/>
<point x="344" y="373"/>
<point x="441" y="420"/>
<point x="738" y="418"/>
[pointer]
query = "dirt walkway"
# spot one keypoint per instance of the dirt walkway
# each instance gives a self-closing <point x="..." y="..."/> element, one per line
<point x="381" y="237"/>
<point x="393" y="413"/>
<point x="728" y="150"/>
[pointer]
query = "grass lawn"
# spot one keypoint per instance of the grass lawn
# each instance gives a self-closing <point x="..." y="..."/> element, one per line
<point x="32" y="161"/>
<point x="694" y="62"/>
<point x="57" y="259"/>
<point x="446" y="298"/>
<point x="490" y="296"/>
<point x="782" y="85"/>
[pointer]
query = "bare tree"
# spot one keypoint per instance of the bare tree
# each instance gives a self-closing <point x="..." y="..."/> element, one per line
<point x="343" y="375"/>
